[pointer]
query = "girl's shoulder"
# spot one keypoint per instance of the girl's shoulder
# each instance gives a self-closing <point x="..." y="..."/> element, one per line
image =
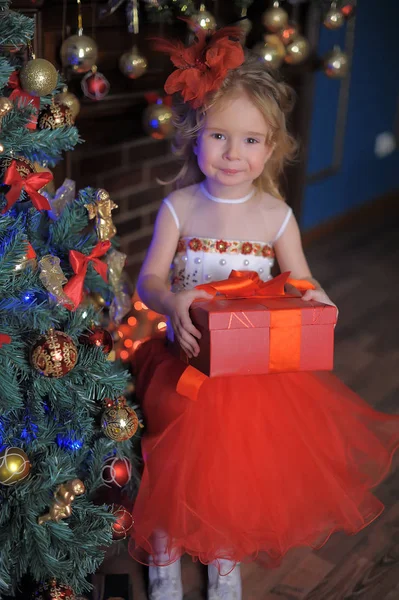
<point x="182" y="200"/>
<point x="275" y="207"/>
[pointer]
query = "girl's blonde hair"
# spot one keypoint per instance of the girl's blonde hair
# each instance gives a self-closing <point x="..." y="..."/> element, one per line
<point x="273" y="98"/>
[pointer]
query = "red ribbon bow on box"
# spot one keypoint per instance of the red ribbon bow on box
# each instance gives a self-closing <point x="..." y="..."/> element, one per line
<point x="31" y="184"/>
<point x="247" y="284"/>
<point x="79" y="263"/>
<point x="23" y="98"/>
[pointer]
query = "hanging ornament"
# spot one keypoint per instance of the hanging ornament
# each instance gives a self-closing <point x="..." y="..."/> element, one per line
<point x="288" y="33"/>
<point x="101" y="210"/>
<point x="297" y="51"/>
<point x="53" y="278"/>
<point x="54" y="116"/>
<point x="14" y="466"/>
<point x="54" y="354"/>
<point x="336" y="64"/>
<point x="95" y="85"/>
<point x="334" y="18"/>
<point x="117" y="471"/>
<point x="157" y="117"/>
<point x="52" y="590"/>
<point x="123" y="522"/>
<point x="70" y="101"/>
<point x="275" y="18"/>
<point x="63" y="196"/>
<point x="121" y="302"/>
<point x="133" y="64"/>
<point x="119" y="422"/>
<point x="98" y="337"/>
<point x="202" y="19"/>
<point x="5" y="107"/>
<point x="38" y="77"/>
<point x="271" y="51"/>
<point x="64" y="495"/>
<point x="79" y="53"/>
<point x="28" y="259"/>
<point x="244" y="24"/>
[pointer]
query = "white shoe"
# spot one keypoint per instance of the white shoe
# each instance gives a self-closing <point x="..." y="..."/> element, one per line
<point x="224" y="587"/>
<point x="165" y="582"/>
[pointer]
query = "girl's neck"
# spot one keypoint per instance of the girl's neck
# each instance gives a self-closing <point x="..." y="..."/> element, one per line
<point x="228" y="194"/>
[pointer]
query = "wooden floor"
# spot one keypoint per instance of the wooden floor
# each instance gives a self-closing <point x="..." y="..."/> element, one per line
<point x="361" y="274"/>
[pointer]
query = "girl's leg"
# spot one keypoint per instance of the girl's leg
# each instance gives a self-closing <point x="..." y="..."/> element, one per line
<point x="164" y="582"/>
<point x="224" y="587"/>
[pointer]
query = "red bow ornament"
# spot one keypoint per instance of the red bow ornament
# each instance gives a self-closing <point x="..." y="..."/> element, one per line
<point x="22" y="99"/>
<point x="4" y="339"/>
<point x="202" y="67"/>
<point x="79" y="263"/>
<point x="31" y="184"/>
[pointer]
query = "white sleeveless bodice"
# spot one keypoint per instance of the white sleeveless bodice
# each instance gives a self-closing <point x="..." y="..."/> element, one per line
<point x="202" y="260"/>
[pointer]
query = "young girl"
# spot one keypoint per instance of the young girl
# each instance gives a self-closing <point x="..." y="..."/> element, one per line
<point x="256" y="464"/>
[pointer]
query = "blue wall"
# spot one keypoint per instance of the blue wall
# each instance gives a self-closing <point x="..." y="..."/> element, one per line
<point x="372" y="109"/>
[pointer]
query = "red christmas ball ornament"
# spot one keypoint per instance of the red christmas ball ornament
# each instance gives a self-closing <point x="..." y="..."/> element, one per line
<point x="117" y="471"/>
<point x="52" y="590"/>
<point x="123" y="523"/>
<point x="94" y="85"/>
<point x="54" y="354"/>
<point x="98" y="337"/>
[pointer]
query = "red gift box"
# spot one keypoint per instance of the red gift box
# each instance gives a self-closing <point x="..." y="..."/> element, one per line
<point x="269" y="332"/>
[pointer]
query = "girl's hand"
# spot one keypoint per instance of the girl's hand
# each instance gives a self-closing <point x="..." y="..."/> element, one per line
<point x="320" y="296"/>
<point x="177" y="309"/>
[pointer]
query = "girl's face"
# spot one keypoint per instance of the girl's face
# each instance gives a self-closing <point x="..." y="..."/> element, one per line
<point x="231" y="148"/>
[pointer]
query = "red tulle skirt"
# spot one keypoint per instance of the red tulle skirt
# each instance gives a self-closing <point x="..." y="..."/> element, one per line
<point x="256" y="465"/>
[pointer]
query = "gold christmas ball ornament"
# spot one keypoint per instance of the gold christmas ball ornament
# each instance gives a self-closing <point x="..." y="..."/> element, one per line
<point x="297" y="51"/>
<point x="54" y="116"/>
<point x="132" y="64"/>
<point x="38" y="77"/>
<point x="54" y="354"/>
<point x="79" y="53"/>
<point x="334" y="18"/>
<point x="119" y="422"/>
<point x="5" y="106"/>
<point x="275" y="18"/>
<point x="202" y="20"/>
<point x="157" y="121"/>
<point x="336" y="64"/>
<point x="70" y="101"/>
<point x="270" y="53"/>
<point x="14" y="465"/>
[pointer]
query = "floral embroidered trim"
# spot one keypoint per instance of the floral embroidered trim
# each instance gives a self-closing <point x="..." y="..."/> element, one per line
<point x="222" y="246"/>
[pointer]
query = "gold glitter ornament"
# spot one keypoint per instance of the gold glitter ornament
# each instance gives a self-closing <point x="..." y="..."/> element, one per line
<point x="119" y="422"/>
<point x="70" y="101"/>
<point x="336" y="64"/>
<point x="5" y="106"/>
<point x="133" y="64"/>
<point x="334" y="18"/>
<point x="79" y="53"/>
<point x="202" y="20"/>
<point x="14" y="465"/>
<point x="38" y="77"/>
<point x="157" y="121"/>
<point x="297" y="51"/>
<point x="271" y="52"/>
<point x="54" y="354"/>
<point x="275" y="18"/>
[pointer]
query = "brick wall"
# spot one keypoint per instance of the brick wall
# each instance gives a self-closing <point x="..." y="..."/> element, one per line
<point x="129" y="172"/>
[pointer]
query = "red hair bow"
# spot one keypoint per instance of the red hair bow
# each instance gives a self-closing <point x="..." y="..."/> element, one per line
<point x="202" y="66"/>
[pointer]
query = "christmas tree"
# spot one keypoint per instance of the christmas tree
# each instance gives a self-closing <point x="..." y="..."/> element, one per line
<point x="65" y="426"/>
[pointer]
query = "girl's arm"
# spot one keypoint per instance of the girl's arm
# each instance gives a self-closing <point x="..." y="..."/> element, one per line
<point x="290" y="257"/>
<point x="153" y="286"/>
